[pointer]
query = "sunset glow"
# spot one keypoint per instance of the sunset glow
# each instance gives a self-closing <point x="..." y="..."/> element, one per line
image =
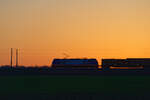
<point x="46" y="29"/>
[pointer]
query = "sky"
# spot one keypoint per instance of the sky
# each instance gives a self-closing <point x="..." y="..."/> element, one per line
<point x="48" y="29"/>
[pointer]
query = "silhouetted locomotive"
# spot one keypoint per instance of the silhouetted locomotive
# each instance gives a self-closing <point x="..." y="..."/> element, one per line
<point x="75" y="63"/>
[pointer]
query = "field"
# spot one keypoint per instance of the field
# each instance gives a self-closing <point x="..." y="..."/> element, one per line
<point x="75" y="87"/>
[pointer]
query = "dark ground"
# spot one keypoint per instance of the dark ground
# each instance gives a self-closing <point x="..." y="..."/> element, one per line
<point x="81" y="87"/>
<point x="84" y="84"/>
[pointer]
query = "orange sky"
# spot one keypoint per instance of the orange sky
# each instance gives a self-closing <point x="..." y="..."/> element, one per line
<point x="45" y="29"/>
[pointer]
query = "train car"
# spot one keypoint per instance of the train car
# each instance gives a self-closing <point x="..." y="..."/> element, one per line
<point x="129" y="62"/>
<point x="75" y="63"/>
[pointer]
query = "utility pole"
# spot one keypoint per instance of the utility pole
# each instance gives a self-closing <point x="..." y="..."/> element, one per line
<point x="11" y="58"/>
<point x="16" y="57"/>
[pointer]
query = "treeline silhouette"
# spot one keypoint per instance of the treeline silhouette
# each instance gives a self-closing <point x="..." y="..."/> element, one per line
<point x="43" y="70"/>
<point x="46" y="70"/>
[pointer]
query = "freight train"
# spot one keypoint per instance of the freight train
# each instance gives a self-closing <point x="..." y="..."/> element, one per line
<point x="106" y="63"/>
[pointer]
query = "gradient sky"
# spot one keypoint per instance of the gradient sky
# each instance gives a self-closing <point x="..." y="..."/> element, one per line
<point x="45" y="29"/>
